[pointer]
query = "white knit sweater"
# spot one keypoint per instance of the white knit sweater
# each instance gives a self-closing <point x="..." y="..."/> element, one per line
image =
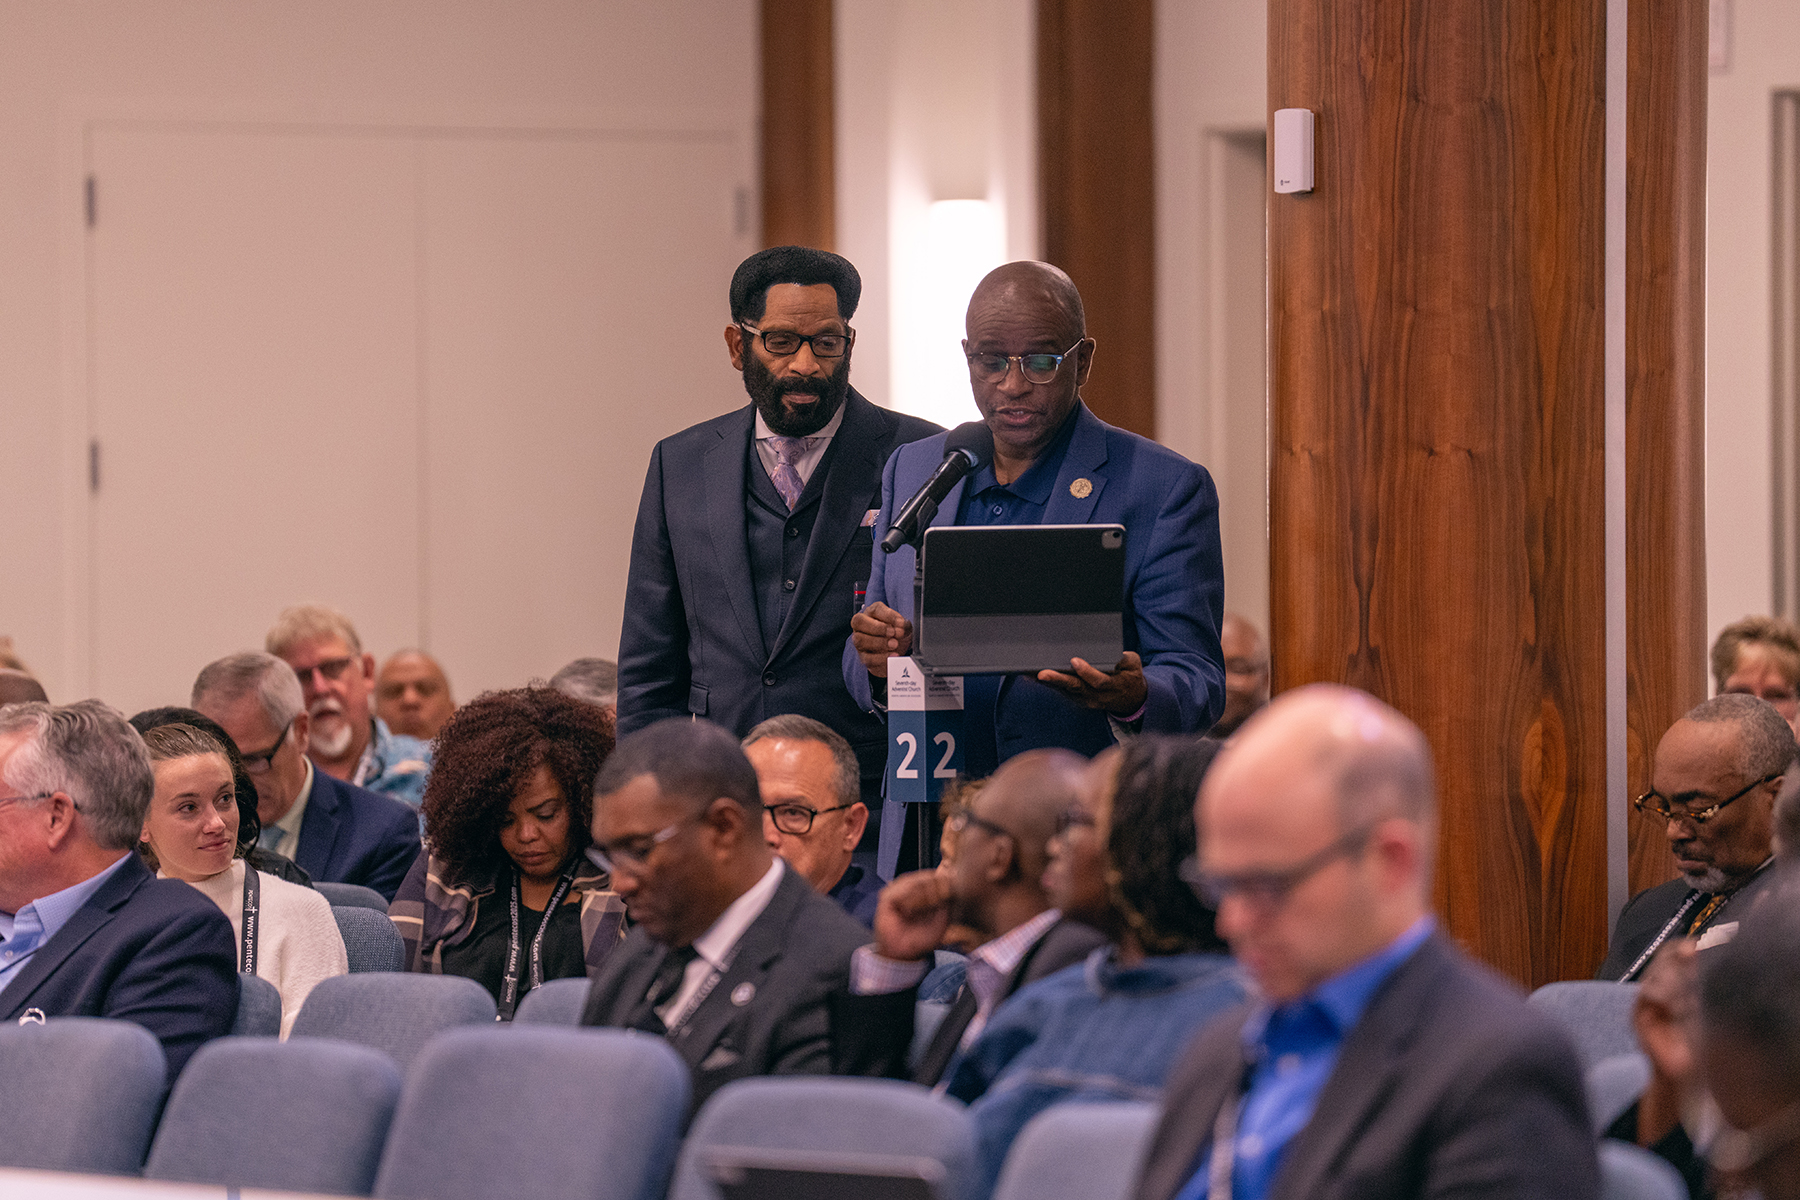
<point x="299" y="943"/>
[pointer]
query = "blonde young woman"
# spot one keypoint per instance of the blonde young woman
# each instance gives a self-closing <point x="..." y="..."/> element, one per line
<point x="286" y="933"/>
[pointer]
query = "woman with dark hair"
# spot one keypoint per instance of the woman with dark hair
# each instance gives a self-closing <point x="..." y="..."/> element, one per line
<point x="193" y="831"/>
<point x="503" y="893"/>
<point x="1109" y="1028"/>
<point x="249" y="824"/>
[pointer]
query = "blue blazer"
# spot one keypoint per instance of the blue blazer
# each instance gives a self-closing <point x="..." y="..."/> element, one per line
<point x="1174" y="582"/>
<point x="353" y="835"/>
<point x="153" y="951"/>
<point x="691" y="641"/>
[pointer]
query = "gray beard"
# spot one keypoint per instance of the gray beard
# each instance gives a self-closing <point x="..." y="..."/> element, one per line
<point x="1711" y="880"/>
<point x="333" y="745"/>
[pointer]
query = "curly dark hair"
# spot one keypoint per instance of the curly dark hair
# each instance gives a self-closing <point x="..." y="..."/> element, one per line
<point x="1151" y="830"/>
<point x="483" y="756"/>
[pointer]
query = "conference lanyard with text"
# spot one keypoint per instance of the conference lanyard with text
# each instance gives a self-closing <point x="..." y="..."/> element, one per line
<point x="509" y="987"/>
<point x="252" y="905"/>
<point x="706" y="989"/>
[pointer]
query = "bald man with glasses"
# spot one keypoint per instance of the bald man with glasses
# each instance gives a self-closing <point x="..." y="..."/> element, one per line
<point x="1713" y="785"/>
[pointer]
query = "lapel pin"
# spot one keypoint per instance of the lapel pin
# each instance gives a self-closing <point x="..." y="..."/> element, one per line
<point x="743" y="994"/>
<point x="1081" y="489"/>
<point x="33" y="1016"/>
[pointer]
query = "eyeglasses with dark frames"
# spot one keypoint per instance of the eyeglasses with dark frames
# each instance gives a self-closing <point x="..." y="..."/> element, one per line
<point x="1655" y="802"/>
<point x="1268" y="890"/>
<point x="797" y="819"/>
<point x="1037" y="368"/>
<point x="785" y="342"/>
<point x="962" y="818"/>
<point x="259" y="764"/>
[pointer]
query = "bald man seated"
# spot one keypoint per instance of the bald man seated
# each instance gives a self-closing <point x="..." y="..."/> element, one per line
<point x="991" y="880"/>
<point x="1246" y="673"/>
<point x="1380" y="1060"/>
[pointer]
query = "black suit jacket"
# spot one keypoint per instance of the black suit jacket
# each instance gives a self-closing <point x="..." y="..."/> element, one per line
<point x="875" y="1033"/>
<point x="353" y="835"/>
<point x="691" y="641"/>
<point x="769" y="1013"/>
<point x="152" y="951"/>
<point x="1646" y="913"/>
<point x="1448" y="1086"/>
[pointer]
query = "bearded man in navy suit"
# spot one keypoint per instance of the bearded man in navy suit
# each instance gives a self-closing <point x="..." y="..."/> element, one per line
<point x="753" y="532"/>
<point x="1056" y="463"/>
<point x="86" y="930"/>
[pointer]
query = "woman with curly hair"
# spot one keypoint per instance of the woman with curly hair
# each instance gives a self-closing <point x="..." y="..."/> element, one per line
<point x="503" y="893"/>
<point x="1109" y="1028"/>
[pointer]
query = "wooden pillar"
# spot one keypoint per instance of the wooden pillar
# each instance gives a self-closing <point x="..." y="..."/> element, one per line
<point x="798" y="142"/>
<point x="1096" y="172"/>
<point x="1437" y="381"/>
<point x="1665" y="380"/>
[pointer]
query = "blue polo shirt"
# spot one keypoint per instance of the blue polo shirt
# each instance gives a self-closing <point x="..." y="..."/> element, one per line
<point x="21" y="933"/>
<point x="1294" y="1049"/>
<point x="987" y="501"/>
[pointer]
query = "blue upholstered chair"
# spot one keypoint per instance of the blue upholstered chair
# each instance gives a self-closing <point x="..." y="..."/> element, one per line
<point x="394" y="1012"/>
<point x="1613" y="1085"/>
<point x="352" y="895"/>
<point x="370" y="940"/>
<point x="84" y="1094"/>
<point x="553" y="1114"/>
<point x="259" y="1008"/>
<point x="1596" y="1015"/>
<point x="307" y="1115"/>
<point x="1632" y="1173"/>
<point x="843" y="1116"/>
<point x="555" y="1002"/>
<point x="1078" y="1152"/>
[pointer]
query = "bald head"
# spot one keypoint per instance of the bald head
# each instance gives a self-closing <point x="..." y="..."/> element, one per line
<point x="1333" y="790"/>
<point x="1045" y="292"/>
<point x="1025" y="797"/>
<point x="1246" y="673"/>
<point x="16" y="687"/>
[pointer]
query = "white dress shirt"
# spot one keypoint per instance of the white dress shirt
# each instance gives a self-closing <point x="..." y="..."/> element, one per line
<point x="715" y="948"/>
<point x="808" y="461"/>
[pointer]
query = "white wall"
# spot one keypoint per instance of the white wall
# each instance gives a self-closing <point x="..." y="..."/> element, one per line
<point x="392" y="62"/>
<point x="1762" y="57"/>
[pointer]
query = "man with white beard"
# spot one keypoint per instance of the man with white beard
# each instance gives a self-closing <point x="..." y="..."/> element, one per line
<point x="348" y="742"/>
<point x="1713" y="785"/>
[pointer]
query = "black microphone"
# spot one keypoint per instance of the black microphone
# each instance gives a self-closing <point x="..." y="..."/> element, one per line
<point x="968" y="448"/>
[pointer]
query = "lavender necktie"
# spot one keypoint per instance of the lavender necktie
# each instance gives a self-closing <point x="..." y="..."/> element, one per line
<point x="785" y="478"/>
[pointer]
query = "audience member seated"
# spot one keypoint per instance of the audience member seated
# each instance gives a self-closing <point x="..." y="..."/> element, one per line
<point x="1785" y="822"/>
<point x="992" y="881"/>
<point x="335" y="831"/>
<point x="85" y="929"/>
<point x="504" y="895"/>
<point x="249" y="824"/>
<point x="347" y="741"/>
<point x="1379" y="1061"/>
<point x="595" y="680"/>
<point x="285" y="933"/>
<point x="813" y="814"/>
<point x="1750" y="1046"/>
<point x="733" y="957"/>
<point x="1246" y="673"/>
<point x="1712" y="784"/>
<point x="18" y="687"/>
<point x="1760" y="656"/>
<point x="412" y="696"/>
<point x="1109" y="1028"/>
<point x="1674" y="1109"/>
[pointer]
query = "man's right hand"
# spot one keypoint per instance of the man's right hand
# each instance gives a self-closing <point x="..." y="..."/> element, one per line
<point x="911" y="916"/>
<point x="878" y="632"/>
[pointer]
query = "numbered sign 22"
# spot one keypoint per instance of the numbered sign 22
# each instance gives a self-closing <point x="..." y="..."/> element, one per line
<point x="925" y="727"/>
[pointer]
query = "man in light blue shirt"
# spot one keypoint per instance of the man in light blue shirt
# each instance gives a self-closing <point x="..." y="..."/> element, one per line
<point x="1380" y="1061"/>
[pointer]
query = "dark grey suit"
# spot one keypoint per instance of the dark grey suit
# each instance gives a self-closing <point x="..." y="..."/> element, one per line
<point x="1448" y="1086"/>
<point x="1645" y="914"/>
<point x="694" y="641"/>
<point x="769" y="1013"/>
<point x="875" y="1033"/>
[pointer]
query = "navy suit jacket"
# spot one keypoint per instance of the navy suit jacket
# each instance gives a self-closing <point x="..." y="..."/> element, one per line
<point x="1174" y="582"/>
<point x="152" y="951"/>
<point x="691" y="641"/>
<point x="353" y="835"/>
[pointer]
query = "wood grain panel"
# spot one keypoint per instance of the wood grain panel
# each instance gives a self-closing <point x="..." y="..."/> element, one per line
<point x="1097" y="182"/>
<point x="799" y="160"/>
<point x="1437" y="370"/>
<point x="1665" y="390"/>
